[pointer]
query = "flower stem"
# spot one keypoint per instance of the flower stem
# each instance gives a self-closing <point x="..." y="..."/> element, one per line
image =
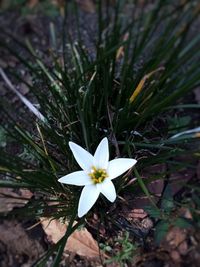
<point x="69" y="231"/>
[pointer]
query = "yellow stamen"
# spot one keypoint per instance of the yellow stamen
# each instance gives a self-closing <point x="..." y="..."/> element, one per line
<point x="98" y="175"/>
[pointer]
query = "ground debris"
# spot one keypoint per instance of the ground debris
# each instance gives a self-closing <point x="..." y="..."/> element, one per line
<point x="19" y="247"/>
<point x="80" y="242"/>
<point x="10" y="199"/>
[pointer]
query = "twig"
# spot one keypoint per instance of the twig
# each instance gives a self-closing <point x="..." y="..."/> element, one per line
<point x="21" y="97"/>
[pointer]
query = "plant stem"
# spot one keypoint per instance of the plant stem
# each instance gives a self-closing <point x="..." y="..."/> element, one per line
<point x="144" y="188"/>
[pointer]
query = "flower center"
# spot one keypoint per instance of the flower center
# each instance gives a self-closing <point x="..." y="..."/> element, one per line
<point x="98" y="175"/>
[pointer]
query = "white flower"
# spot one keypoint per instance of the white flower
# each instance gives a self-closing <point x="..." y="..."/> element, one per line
<point x="96" y="175"/>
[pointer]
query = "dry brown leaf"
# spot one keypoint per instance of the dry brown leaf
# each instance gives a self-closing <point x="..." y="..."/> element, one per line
<point x="155" y="187"/>
<point x="179" y="179"/>
<point x="175" y="243"/>
<point x="83" y="244"/>
<point x="185" y="213"/>
<point x="10" y="199"/>
<point x="140" y="202"/>
<point x="80" y="242"/>
<point x="175" y="237"/>
<point x="137" y="214"/>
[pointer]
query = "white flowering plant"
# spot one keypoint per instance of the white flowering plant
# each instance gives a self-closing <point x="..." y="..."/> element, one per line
<point x="111" y="102"/>
<point x="96" y="175"/>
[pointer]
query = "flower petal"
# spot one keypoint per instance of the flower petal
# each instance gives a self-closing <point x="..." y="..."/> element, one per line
<point x="108" y="190"/>
<point x="101" y="155"/>
<point x="83" y="157"/>
<point x="76" y="178"/>
<point x="118" y="166"/>
<point x="89" y="195"/>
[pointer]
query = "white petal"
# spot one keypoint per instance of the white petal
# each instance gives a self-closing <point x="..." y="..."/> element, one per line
<point x="118" y="166"/>
<point x="101" y="155"/>
<point x="83" y="157"/>
<point x="108" y="190"/>
<point x="89" y="195"/>
<point x="76" y="178"/>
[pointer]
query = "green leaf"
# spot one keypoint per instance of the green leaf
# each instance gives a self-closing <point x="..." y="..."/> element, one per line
<point x="182" y="223"/>
<point x="167" y="203"/>
<point x="153" y="212"/>
<point x="161" y="230"/>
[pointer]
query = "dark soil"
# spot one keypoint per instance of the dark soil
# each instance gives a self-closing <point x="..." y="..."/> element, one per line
<point x="20" y="247"/>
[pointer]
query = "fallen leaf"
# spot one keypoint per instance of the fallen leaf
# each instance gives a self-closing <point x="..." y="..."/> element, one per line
<point x="10" y="199"/>
<point x="179" y="179"/>
<point x="83" y="244"/>
<point x="185" y="213"/>
<point x="137" y="213"/>
<point x="155" y="187"/>
<point x="80" y="242"/>
<point x="140" y="202"/>
<point x="175" y="237"/>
